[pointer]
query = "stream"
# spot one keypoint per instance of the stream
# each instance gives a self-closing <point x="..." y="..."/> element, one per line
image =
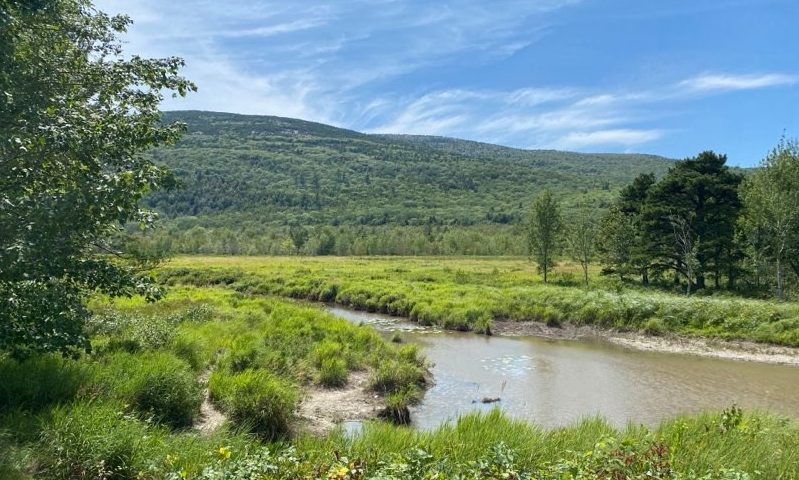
<point x="556" y="382"/>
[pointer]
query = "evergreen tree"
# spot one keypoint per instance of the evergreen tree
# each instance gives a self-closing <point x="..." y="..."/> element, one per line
<point x="703" y="191"/>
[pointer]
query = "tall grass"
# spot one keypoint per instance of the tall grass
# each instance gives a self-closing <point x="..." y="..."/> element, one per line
<point x="156" y="384"/>
<point x="468" y="294"/>
<point x="112" y="414"/>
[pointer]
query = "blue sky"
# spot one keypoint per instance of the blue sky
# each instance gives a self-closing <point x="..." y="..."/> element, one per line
<point x="670" y="77"/>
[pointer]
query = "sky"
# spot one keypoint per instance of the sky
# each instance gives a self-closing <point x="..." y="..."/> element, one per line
<point x="670" y="77"/>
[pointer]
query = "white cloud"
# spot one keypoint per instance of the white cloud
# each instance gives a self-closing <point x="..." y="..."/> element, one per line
<point x="621" y="136"/>
<point x="725" y="82"/>
<point x="342" y="62"/>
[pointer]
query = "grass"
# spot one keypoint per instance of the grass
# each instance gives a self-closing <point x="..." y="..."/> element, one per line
<point x="123" y="410"/>
<point x="471" y="293"/>
<point x="119" y="412"/>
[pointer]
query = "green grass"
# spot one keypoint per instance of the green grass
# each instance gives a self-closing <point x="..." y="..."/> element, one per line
<point x="470" y="293"/>
<point x="112" y="414"/>
<point x="155" y="384"/>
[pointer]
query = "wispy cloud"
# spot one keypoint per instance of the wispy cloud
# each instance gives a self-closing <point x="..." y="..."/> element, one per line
<point x="621" y="136"/>
<point x="709" y="82"/>
<point x="363" y="64"/>
<point x="567" y="118"/>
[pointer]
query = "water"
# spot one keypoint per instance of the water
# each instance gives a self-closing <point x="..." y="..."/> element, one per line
<point x="556" y="382"/>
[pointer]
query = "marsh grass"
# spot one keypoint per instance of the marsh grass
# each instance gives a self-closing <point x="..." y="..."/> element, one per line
<point x="469" y="293"/>
<point x="113" y="413"/>
<point x="255" y="400"/>
<point x="155" y="384"/>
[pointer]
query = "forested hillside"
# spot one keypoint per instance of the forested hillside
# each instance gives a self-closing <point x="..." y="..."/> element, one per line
<point x="283" y="170"/>
<point x="247" y="177"/>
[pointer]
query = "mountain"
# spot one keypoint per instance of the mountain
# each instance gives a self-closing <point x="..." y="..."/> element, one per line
<point x="278" y="171"/>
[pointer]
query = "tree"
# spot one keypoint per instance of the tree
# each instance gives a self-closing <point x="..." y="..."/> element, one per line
<point x="686" y="247"/>
<point x="298" y="235"/>
<point x="771" y="214"/>
<point x="617" y="235"/>
<point x="76" y="116"/>
<point x="703" y="191"/>
<point x="543" y="231"/>
<point x="631" y="202"/>
<point x="581" y="237"/>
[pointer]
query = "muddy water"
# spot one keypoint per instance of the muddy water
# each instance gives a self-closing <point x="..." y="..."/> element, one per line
<point x="555" y="382"/>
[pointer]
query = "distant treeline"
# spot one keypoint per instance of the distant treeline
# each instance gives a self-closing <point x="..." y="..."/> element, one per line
<point x="254" y="239"/>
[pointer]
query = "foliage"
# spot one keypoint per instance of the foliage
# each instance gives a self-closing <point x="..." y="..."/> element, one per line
<point x="544" y="230"/>
<point x="581" y="237"/>
<point x="96" y="441"/>
<point x="87" y="427"/>
<point x="256" y="399"/>
<point x="333" y="372"/>
<point x="703" y="193"/>
<point x="76" y="115"/>
<point x="771" y="217"/>
<point x="40" y="382"/>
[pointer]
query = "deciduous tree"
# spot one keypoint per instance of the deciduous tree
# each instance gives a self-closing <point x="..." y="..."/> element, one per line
<point x="76" y="115"/>
<point x="771" y="216"/>
<point x="543" y="231"/>
<point x="581" y="235"/>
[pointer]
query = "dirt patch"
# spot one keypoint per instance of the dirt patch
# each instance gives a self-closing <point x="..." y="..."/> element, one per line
<point x="706" y="347"/>
<point x="322" y="409"/>
<point x="210" y="417"/>
<point x="731" y="350"/>
<point x="510" y="328"/>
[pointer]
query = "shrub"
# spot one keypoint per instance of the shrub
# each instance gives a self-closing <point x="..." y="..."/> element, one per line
<point x="333" y="372"/>
<point x="255" y="399"/>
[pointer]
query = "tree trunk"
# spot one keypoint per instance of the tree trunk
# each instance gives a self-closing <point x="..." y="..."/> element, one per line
<point x="645" y="276"/>
<point x="585" y="273"/>
<point x="780" y="280"/>
<point x="700" y="282"/>
<point x="730" y="276"/>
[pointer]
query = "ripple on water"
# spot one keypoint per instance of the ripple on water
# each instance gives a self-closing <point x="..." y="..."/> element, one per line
<point x="509" y="365"/>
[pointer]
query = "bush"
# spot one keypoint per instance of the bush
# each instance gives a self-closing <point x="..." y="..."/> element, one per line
<point x="255" y="399"/>
<point x="333" y="372"/>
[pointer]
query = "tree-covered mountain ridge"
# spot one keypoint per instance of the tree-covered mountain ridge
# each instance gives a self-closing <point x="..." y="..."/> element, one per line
<point x="283" y="171"/>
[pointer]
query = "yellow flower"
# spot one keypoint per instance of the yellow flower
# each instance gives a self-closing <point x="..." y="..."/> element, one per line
<point x="339" y="473"/>
<point x="224" y="452"/>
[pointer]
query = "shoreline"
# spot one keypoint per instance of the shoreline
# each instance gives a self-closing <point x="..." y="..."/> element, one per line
<point x="740" y="350"/>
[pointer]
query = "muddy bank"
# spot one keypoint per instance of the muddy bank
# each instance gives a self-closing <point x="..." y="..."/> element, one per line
<point x="322" y="409"/>
<point x="667" y="343"/>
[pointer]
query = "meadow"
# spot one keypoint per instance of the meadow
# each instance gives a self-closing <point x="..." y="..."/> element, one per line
<point x="130" y="408"/>
<point x="462" y="293"/>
